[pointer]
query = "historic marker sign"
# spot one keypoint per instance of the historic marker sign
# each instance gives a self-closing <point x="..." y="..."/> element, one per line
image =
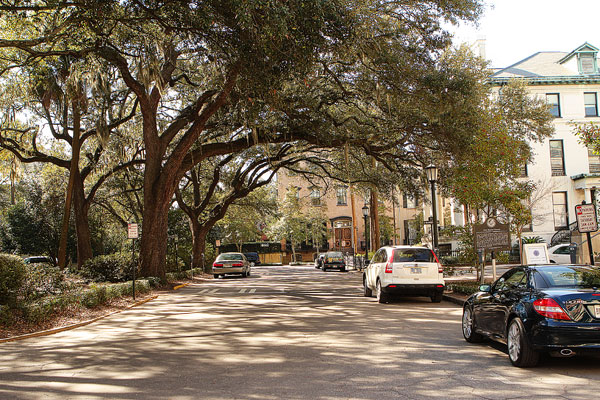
<point x="586" y="218"/>
<point x="492" y="235"/>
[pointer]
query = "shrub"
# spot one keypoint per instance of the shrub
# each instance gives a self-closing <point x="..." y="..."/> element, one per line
<point x="467" y="288"/>
<point x="117" y="267"/>
<point x="12" y="276"/>
<point x="503" y="258"/>
<point x="175" y="276"/>
<point x="42" y="279"/>
<point x="449" y="260"/>
<point x="532" y="239"/>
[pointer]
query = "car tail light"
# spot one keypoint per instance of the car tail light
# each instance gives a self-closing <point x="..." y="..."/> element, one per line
<point x="440" y="266"/>
<point x="388" y="266"/>
<point x="549" y="308"/>
<point x="217" y="265"/>
<point x="237" y="265"/>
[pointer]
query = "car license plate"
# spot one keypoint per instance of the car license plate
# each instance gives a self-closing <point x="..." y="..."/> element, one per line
<point x="415" y="270"/>
<point x="597" y="310"/>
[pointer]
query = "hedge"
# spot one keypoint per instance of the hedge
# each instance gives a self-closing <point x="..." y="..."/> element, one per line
<point x="12" y="276"/>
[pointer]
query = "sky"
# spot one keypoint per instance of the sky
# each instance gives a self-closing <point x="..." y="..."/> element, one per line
<point x="515" y="29"/>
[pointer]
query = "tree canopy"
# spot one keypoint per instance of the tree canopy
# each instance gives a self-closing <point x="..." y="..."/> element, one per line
<point x="213" y="78"/>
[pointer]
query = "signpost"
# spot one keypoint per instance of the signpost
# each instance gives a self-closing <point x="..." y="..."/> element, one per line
<point x="132" y="233"/>
<point x="587" y="222"/>
<point x="492" y="236"/>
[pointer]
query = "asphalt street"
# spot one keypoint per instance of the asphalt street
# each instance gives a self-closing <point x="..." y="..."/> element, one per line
<point x="283" y="333"/>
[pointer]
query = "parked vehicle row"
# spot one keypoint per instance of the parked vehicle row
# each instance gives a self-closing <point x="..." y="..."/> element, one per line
<point x="532" y="309"/>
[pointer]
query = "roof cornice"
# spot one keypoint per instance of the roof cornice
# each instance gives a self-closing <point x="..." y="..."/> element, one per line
<point x="547" y="80"/>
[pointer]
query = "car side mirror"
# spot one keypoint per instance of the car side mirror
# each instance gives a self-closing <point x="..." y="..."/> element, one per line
<point x="485" y="288"/>
<point x="367" y="262"/>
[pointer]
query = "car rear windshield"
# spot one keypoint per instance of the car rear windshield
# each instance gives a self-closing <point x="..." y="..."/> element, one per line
<point x="229" y="257"/>
<point x="335" y="254"/>
<point x="570" y="276"/>
<point x="413" y="255"/>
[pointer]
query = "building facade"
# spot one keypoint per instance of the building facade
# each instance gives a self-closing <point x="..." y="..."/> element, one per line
<point x="565" y="171"/>
<point x="343" y="208"/>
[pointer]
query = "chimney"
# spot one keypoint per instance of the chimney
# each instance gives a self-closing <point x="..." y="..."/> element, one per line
<point x="480" y="43"/>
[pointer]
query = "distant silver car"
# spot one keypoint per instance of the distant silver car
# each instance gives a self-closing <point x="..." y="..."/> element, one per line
<point x="231" y="263"/>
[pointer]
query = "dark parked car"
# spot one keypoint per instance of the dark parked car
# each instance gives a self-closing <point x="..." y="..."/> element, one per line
<point x="334" y="259"/>
<point x="39" y="259"/>
<point x="538" y="309"/>
<point x="252" y="257"/>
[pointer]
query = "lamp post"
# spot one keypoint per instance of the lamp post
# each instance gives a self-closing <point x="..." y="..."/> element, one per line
<point x="365" y="211"/>
<point x="432" y="173"/>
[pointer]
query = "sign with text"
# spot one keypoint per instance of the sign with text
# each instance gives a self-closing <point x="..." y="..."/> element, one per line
<point x="586" y="218"/>
<point x="132" y="231"/>
<point x="535" y="253"/>
<point x="491" y="235"/>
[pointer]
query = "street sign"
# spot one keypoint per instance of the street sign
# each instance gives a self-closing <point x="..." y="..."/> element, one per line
<point x="132" y="231"/>
<point x="492" y="235"/>
<point x="586" y="218"/>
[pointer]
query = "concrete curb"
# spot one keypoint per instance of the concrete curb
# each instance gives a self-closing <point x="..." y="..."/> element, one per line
<point x="69" y="327"/>
<point x="180" y="286"/>
<point x="452" y="299"/>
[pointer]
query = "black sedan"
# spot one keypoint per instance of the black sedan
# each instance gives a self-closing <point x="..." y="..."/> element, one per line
<point x="538" y="309"/>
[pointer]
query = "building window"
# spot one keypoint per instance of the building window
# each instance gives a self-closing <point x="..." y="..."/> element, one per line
<point x="557" y="160"/>
<point x="409" y="201"/>
<point x="594" y="162"/>
<point x="315" y="197"/>
<point x="341" y="195"/>
<point x="591" y="104"/>
<point x="524" y="173"/>
<point x="587" y="63"/>
<point x="553" y="99"/>
<point x="296" y="191"/>
<point x="561" y="214"/>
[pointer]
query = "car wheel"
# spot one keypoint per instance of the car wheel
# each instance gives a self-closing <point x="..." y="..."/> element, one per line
<point x="381" y="297"/>
<point x="468" y="326"/>
<point x="216" y="276"/>
<point x="367" y="292"/>
<point x="343" y="269"/>
<point x="520" y="352"/>
<point x="436" y="297"/>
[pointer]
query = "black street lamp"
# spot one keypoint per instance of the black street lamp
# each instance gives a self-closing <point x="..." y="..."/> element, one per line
<point x="432" y="174"/>
<point x="365" y="211"/>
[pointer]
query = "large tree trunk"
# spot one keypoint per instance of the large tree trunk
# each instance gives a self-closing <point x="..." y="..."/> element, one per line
<point x="74" y="169"/>
<point x="199" y="233"/>
<point x="153" y="246"/>
<point x="82" y="226"/>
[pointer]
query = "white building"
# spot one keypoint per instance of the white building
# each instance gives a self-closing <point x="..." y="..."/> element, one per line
<point x="564" y="169"/>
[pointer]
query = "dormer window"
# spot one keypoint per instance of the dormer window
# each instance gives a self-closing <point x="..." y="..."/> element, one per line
<point x="586" y="56"/>
<point x="587" y="63"/>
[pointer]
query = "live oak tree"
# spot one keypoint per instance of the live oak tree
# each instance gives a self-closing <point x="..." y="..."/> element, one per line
<point x="77" y="118"/>
<point x="244" y="219"/>
<point x="209" y="189"/>
<point x="290" y="224"/>
<point x="330" y="73"/>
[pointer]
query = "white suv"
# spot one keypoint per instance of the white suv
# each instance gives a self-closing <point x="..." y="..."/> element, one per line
<point x="404" y="270"/>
